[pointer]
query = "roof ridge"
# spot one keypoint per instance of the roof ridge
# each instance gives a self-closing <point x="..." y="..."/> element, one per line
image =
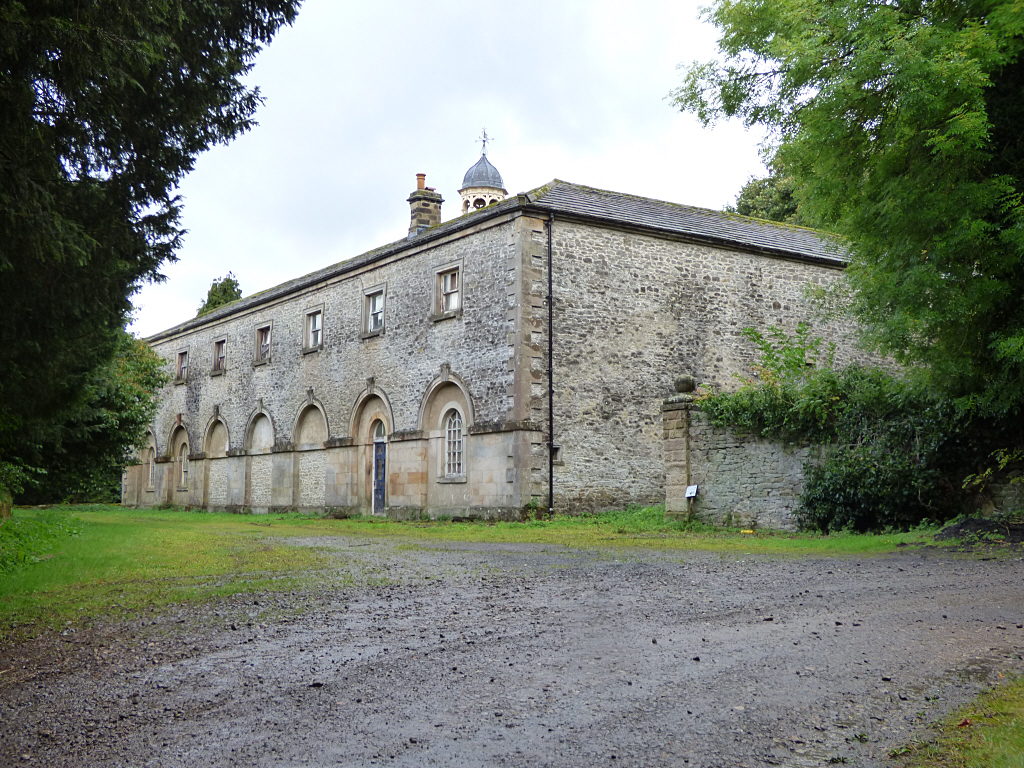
<point x="547" y="188"/>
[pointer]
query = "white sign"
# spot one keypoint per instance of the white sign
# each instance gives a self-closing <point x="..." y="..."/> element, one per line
<point x="691" y="491"/>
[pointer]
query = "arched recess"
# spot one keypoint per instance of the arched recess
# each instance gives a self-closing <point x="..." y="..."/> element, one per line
<point x="149" y="454"/>
<point x="180" y="448"/>
<point x="311" y="428"/>
<point x="443" y="394"/>
<point x="218" y="440"/>
<point x="216" y="446"/>
<point x="370" y="406"/>
<point x="259" y="440"/>
<point x="309" y="433"/>
<point x="371" y="410"/>
<point x="260" y="433"/>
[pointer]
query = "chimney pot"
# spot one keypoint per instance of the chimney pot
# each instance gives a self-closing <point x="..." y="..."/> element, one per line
<point x="425" y="207"/>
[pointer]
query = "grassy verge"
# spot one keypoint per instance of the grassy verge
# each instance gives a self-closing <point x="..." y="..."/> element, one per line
<point x="84" y="563"/>
<point x="78" y="564"/>
<point x="987" y="734"/>
<point x="635" y="527"/>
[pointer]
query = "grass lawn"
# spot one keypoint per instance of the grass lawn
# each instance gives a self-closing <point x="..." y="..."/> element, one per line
<point x="987" y="734"/>
<point x="77" y="564"/>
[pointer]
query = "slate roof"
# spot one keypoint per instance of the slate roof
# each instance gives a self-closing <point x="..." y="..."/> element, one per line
<point x="687" y="221"/>
<point x="561" y="197"/>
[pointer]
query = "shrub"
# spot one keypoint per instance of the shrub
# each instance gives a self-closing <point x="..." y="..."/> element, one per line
<point x="896" y="453"/>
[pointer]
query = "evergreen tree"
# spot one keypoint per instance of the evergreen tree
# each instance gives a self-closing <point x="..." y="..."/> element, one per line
<point x="104" y="107"/>
<point x="223" y="290"/>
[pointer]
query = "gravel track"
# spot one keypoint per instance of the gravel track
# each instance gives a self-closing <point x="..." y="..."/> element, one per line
<point x="531" y="655"/>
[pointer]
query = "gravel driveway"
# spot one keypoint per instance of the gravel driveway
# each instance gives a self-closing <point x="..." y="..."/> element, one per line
<point x="531" y="655"/>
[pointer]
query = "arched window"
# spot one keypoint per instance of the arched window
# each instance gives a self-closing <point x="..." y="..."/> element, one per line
<point x="453" y="448"/>
<point x="183" y="457"/>
<point x="379" y="432"/>
<point x="151" y="467"/>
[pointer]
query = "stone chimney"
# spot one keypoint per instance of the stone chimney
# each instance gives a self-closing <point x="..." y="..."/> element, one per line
<point x="425" y="204"/>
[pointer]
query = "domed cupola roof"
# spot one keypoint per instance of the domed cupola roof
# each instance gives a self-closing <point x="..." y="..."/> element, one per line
<point x="483" y="174"/>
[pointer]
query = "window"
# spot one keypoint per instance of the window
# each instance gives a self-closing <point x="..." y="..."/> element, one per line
<point x="374" y="301"/>
<point x="263" y="344"/>
<point x="181" y="373"/>
<point x="450" y="291"/>
<point x="183" y="458"/>
<point x="151" y="468"/>
<point x="375" y="311"/>
<point x="448" y="298"/>
<point x="219" y="355"/>
<point x="453" y="466"/>
<point x="314" y="329"/>
<point x="379" y="432"/>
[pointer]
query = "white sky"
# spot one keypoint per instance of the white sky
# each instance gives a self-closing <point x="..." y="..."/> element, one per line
<point x="361" y="96"/>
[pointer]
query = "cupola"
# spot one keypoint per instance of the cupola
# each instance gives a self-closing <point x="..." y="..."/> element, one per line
<point x="482" y="184"/>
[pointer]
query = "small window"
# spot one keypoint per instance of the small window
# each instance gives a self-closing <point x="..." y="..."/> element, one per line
<point x="379" y="432"/>
<point x="453" y="466"/>
<point x="219" y="355"/>
<point x="314" y="329"/>
<point x="263" y="344"/>
<point x="181" y="373"/>
<point x="183" y="457"/>
<point x="375" y="312"/>
<point x="374" y="301"/>
<point x="151" y="468"/>
<point x="448" y="298"/>
<point x="450" y="291"/>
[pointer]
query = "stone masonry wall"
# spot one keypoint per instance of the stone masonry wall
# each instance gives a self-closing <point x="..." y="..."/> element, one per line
<point x="632" y="312"/>
<point x="742" y="480"/>
<point x="398" y="365"/>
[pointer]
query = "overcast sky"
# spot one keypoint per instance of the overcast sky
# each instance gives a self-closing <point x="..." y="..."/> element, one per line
<point x="362" y="96"/>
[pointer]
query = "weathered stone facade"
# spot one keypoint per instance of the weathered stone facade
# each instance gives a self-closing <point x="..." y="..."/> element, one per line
<point x="642" y="291"/>
<point x="632" y="311"/>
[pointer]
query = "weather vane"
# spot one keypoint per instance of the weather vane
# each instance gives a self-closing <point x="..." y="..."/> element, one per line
<point x="484" y="138"/>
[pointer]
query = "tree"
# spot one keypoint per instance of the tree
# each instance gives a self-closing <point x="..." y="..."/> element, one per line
<point x="85" y="460"/>
<point x="770" y="198"/>
<point x="223" y="290"/>
<point x="900" y="123"/>
<point x="103" y="109"/>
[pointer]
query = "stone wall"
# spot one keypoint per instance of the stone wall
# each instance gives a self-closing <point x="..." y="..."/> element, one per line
<point x="754" y="482"/>
<point x="483" y="350"/>
<point x="742" y="480"/>
<point x="631" y="312"/>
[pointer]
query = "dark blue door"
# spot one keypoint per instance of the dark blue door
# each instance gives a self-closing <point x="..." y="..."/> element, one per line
<point x="379" y="453"/>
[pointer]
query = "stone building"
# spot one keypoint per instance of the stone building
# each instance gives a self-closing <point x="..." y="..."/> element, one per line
<point x="414" y="379"/>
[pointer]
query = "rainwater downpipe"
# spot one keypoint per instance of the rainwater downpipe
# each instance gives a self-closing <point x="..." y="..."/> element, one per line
<point x="551" y="374"/>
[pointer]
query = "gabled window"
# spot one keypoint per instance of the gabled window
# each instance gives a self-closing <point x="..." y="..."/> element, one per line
<point x="453" y="445"/>
<point x="263" y="344"/>
<point x="181" y="371"/>
<point x="219" y="355"/>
